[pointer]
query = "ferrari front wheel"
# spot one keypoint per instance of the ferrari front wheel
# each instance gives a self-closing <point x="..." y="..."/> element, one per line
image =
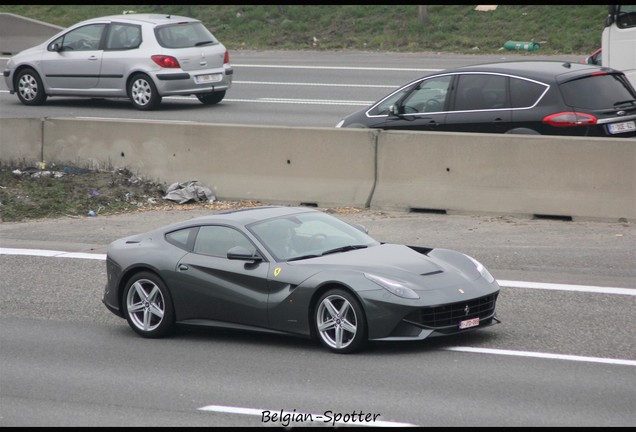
<point x="340" y="322"/>
<point x="147" y="306"/>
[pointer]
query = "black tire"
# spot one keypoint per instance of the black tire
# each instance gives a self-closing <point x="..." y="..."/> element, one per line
<point x="148" y="306"/>
<point x="29" y="87"/>
<point x="211" y="98"/>
<point x="143" y="93"/>
<point x="523" y="131"/>
<point x="339" y="322"/>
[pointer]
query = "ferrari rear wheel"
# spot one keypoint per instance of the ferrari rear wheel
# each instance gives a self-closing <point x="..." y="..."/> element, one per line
<point x="340" y="322"/>
<point x="147" y="306"/>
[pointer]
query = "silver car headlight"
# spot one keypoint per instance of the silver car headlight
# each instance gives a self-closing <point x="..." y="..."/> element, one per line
<point x="393" y="286"/>
<point x="482" y="270"/>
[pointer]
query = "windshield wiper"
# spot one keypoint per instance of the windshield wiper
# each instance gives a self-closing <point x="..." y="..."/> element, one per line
<point x="327" y="252"/>
<point x="344" y="249"/>
<point x="302" y="257"/>
<point x="625" y="102"/>
<point x="203" y="43"/>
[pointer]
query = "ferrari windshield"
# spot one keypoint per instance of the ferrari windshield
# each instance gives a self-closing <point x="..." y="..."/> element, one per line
<point x="308" y="235"/>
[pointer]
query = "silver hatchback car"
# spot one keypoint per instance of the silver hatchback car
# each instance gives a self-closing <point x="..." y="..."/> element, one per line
<point x="143" y="57"/>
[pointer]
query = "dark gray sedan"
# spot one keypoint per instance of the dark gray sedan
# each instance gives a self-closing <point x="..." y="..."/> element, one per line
<point x="143" y="57"/>
<point x="296" y="271"/>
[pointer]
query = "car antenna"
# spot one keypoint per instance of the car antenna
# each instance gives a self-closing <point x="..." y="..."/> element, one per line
<point x="567" y="65"/>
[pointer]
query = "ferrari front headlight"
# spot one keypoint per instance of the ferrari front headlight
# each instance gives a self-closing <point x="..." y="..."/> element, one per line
<point x="393" y="286"/>
<point x="482" y="270"/>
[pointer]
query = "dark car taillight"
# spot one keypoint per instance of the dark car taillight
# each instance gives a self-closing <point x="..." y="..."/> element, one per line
<point x="166" y="61"/>
<point x="569" y="118"/>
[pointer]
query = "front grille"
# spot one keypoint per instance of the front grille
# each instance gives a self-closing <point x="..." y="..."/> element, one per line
<point x="450" y="315"/>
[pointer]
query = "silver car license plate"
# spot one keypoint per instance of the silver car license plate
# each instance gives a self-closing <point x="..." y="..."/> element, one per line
<point x="209" y="78"/>
<point x="616" y="128"/>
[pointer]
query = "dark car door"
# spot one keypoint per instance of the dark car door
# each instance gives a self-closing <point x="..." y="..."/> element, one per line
<point x="480" y="103"/>
<point x="423" y="108"/>
<point x="213" y="287"/>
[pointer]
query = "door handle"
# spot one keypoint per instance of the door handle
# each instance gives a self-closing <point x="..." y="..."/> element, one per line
<point x="92" y="58"/>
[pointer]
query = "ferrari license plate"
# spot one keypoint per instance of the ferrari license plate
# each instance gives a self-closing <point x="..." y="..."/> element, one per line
<point x="469" y="323"/>
<point x="616" y="128"/>
<point x="209" y="78"/>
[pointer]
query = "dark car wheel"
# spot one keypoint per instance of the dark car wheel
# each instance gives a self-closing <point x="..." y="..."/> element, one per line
<point x="211" y="98"/>
<point x="340" y="322"/>
<point x="29" y="88"/>
<point x="143" y="93"/>
<point x="147" y="306"/>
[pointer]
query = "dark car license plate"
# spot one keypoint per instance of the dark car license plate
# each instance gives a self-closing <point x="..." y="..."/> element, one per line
<point x="622" y="127"/>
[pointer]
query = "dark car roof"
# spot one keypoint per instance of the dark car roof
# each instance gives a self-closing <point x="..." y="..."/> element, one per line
<point x="540" y="70"/>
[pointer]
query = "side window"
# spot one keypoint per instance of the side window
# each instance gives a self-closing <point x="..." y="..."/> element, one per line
<point x="382" y="108"/>
<point x="182" y="238"/>
<point x="626" y="16"/>
<point x="123" y="37"/>
<point x="428" y="96"/>
<point x="85" y="38"/>
<point x="524" y="93"/>
<point x="481" y="92"/>
<point x="217" y="240"/>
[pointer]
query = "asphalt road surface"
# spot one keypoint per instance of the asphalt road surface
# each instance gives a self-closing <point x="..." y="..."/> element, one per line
<point x="564" y="354"/>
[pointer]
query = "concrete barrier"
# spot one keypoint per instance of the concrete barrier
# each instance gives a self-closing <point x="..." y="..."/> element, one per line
<point x="571" y="177"/>
<point x="20" y="140"/>
<point x="568" y="177"/>
<point x="18" y="33"/>
<point x="312" y="166"/>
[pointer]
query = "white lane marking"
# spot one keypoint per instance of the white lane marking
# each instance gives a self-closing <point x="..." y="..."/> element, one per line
<point x="563" y="287"/>
<point x="503" y="283"/>
<point x="544" y="355"/>
<point x="328" y="418"/>
<point x="52" y="253"/>
<point x="314" y="84"/>
<point x="303" y="101"/>
<point x="354" y="68"/>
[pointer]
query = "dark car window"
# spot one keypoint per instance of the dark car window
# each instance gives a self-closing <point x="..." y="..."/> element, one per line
<point x="480" y="92"/>
<point x="626" y="16"/>
<point x="382" y="108"/>
<point x="609" y="90"/>
<point x="85" y="38"/>
<point x="217" y="240"/>
<point x="123" y="36"/>
<point x="429" y="96"/>
<point x="525" y="93"/>
<point x="184" y="35"/>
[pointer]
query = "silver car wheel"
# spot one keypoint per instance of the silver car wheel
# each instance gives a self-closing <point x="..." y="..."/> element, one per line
<point x="336" y="321"/>
<point x="145" y="305"/>
<point x="141" y="92"/>
<point x="28" y="87"/>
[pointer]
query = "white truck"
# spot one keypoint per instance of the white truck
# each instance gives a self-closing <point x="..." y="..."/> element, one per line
<point x="618" y="41"/>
